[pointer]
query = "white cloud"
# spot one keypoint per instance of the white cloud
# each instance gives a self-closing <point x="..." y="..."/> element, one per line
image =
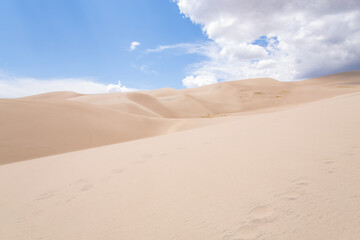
<point x="300" y="39"/>
<point x="118" y="88"/>
<point x="198" y="81"/>
<point x="134" y="45"/>
<point x="11" y="87"/>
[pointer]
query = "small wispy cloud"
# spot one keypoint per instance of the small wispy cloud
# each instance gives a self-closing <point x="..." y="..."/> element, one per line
<point x="134" y="45"/>
<point x="198" y="76"/>
<point x="204" y="48"/>
<point x="146" y="69"/>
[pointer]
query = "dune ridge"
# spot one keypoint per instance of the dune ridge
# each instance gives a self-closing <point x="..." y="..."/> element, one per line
<point x="60" y="122"/>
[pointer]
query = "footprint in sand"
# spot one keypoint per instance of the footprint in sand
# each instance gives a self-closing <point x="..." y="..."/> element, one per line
<point x="79" y="181"/>
<point x="261" y="212"/>
<point x="117" y="171"/>
<point x="147" y="156"/>
<point x="291" y="196"/>
<point x="301" y="182"/>
<point x="140" y="162"/>
<point x="329" y="161"/>
<point x="86" y="187"/>
<point x="46" y="195"/>
<point x="354" y="196"/>
<point x="246" y="232"/>
<point x="258" y="216"/>
<point x="294" y="193"/>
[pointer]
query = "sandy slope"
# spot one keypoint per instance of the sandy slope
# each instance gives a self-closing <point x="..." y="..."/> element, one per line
<point x="60" y="122"/>
<point x="289" y="174"/>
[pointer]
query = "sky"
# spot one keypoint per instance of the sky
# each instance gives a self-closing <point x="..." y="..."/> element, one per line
<point x="94" y="46"/>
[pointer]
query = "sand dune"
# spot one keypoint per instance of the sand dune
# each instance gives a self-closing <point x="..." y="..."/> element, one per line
<point x="60" y="122"/>
<point x="31" y="129"/>
<point x="227" y="97"/>
<point x="287" y="174"/>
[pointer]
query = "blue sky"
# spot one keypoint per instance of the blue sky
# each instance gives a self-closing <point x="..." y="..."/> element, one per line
<point x="84" y="45"/>
<point x="91" y="38"/>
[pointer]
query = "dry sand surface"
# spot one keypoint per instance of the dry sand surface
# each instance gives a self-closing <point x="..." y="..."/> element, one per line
<point x="283" y="163"/>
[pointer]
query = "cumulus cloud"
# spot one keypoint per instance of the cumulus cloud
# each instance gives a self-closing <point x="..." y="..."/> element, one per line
<point x="282" y="39"/>
<point x="134" y="45"/>
<point x="11" y="87"/>
<point x="118" y="88"/>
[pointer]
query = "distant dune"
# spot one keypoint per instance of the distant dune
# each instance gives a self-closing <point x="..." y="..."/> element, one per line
<point x="60" y="122"/>
<point x="259" y="159"/>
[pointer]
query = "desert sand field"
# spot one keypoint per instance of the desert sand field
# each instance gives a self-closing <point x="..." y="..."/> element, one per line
<point x="249" y="159"/>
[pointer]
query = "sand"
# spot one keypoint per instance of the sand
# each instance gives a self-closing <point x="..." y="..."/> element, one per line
<point x="226" y="161"/>
<point x="60" y="122"/>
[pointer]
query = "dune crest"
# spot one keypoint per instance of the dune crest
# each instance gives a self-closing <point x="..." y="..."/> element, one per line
<point x="60" y="122"/>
